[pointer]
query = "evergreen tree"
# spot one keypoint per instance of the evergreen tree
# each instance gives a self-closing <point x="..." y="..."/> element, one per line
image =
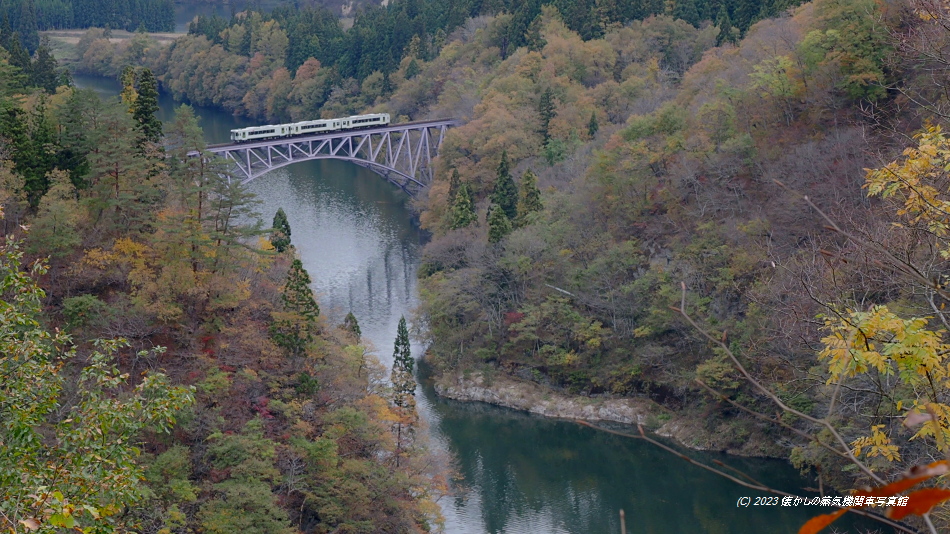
<point x="128" y="93"/>
<point x="529" y="198"/>
<point x="547" y="112"/>
<point x="404" y="383"/>
<point x="280" y="236"/>
<point x="19" y="57"/>
<point x="145" y="109"/>
<point x="412" y="69"/>
<point x="686" y="10"/>
<point x="297" y="296"/>
<point x="727" y="33"/>
<point x="505" y="194"/>
<point x="294" y="328"/>
<point x="463" y="209"/>
<point x="43" y="73"/>
<point x="499" y="225"/>
<point x="533" y="36"/>
<point x="27" y="28"/>
<point x="351" y="325"/>
<point x="454" y="182"/>
<point x="592" y="125"/>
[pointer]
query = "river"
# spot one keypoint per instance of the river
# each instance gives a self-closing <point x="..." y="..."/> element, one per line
<point x="518" y="473"/>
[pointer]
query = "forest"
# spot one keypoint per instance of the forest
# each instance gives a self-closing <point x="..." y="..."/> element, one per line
<point x="737" y="211"/>
<point x="293" y="63"/>
<point x="27" y="17"/>
<point x="165" y="366"/>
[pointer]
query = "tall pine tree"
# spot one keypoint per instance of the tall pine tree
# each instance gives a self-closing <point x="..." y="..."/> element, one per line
<point x="280" y="236"/>
<point x="529" y="198"/>
<point x="505" y="194"/>
<point x="547" y="112"/>
<point x="294" y="328"/>
<point x="463" y="210"/>
<point x="404" y="383"/>
<point x="499" y="225"/>
<point x="145" y="109"/>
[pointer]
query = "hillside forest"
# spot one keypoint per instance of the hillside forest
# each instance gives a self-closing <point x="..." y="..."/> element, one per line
<point x="735" y="212"/>
<point x="165" y="366"/>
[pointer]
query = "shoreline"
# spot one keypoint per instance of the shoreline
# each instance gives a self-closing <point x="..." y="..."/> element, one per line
<point x="522" y="395"/>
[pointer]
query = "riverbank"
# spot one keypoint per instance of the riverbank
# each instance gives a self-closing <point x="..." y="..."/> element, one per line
<point x="685" y="427"/>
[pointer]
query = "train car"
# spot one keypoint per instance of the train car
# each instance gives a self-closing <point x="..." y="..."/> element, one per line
<point x="261" y="132"/>
<point x="357" y="122"/>
<point x="315" y="127"/>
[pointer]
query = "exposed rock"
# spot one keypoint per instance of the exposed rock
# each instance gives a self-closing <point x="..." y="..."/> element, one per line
<point x="534" y="398"/>
<point x="510" y="392"/>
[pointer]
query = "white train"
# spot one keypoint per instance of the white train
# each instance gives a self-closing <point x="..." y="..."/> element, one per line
<point x="271" y="131"/>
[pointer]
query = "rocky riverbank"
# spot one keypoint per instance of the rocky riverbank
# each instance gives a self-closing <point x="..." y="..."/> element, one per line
<point x="537" y="399"/>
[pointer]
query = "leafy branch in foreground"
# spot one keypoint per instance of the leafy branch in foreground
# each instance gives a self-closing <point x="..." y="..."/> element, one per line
<point x="67" y="466"/>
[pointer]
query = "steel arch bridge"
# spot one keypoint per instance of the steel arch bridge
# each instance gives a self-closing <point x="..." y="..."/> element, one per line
<point x="400" y="153"/>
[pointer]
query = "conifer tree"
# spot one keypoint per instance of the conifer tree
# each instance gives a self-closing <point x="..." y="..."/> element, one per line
<point x="727" y="33"/>
<point x="463" y="210"/>
<point x="499" y="225"/>
<point x="404" y="383"/>
<point x="350" y="324"/>
<point x="43" y="72"/>
<point x="145" y="109"/>
<point x="592" y="126"/>
<point x="412" y="69"/>
<point x="128" y="93"/>
<point x="505" y="194"/>
<point x="547" y="112"/>
<point x="294" y="328"/>
<point x="280" y="238"/>
<point x="533" y="36"/>
<point x="529" y="198"/>
<point x="19" y="57"/>
<point x="297" y="296"/>
<point x="454" y="182"/>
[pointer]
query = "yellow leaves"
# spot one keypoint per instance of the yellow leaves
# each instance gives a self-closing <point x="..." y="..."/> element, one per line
<point x="920" y="181"/>
<point x="878" y="339"/>
<point x="878" y="444"/>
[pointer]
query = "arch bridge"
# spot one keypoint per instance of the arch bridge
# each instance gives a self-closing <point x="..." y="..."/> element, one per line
<point x="400" y="153"/>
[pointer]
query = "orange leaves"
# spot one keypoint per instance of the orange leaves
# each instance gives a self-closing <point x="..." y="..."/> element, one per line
<point x="815" y="524"/>
<point x="917" y="503"/>
<point x="911" y="478"/>
<point x="920" y="503"/>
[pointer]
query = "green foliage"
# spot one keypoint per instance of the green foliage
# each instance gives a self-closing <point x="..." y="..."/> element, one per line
<point x="412" y="69"/>
<point x="403" y="380"/>
<point x="280" y="231"/>
<point x="145" y="108"/>
<point x="307" y="384"/>
<point x="351" y="325"/>
<point x="499" y="226"/>
<point x="529" y="198"/>
<point x="463" y="209"/>
<point x="592" y="126"/>
<point x="83" y="312"/>
<point x="294" y="328"/>
<point x="719" y="374"/>
<point x="505" y="193"/>
<point x="546" y="111"/>
<point x="851" y="38"/>
<point x="52" y="469"/>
